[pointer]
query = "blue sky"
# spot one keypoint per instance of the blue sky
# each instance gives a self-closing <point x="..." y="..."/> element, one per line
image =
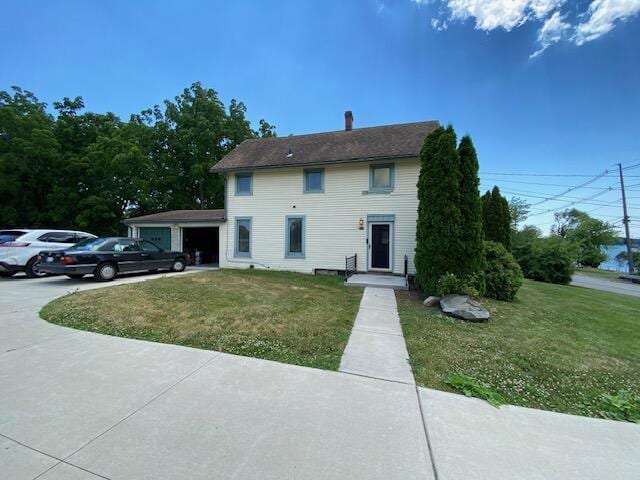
<point x="571" y="109"/>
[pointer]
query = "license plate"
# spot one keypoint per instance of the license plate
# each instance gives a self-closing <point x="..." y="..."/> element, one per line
<point x="49" y="259"/>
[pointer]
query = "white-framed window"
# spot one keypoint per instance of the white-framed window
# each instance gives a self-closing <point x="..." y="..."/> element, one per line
<point x="313" y="180"/>
<point x="294" y="236"/>
<point x="381" y="177"/>
<point x="244" y="184"/>
<point x="242" y="241"/>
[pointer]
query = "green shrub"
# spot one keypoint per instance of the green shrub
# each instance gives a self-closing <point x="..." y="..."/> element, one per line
<point x="502" y="274"/>
<point x="548" y="260"/>
<point x="623" y="406"/>
<point x="449" y="284"/>
<point x="474" y="388"/>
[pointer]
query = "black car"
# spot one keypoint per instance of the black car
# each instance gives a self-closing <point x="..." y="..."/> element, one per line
<point x="105" y="257"/>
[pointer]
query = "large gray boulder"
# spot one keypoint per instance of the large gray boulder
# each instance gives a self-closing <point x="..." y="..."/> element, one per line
<point x="461" y="306"/>
<point x="431" y="301"/>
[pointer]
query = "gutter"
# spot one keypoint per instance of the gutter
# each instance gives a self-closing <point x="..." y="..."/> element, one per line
<point x="129" y="221"/>
<point x="215" y="169"/>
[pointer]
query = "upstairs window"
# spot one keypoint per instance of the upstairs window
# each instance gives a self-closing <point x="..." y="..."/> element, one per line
<point x="243" y="237"/>
<point x="381" y="178"/>
<point x="244" y="183"/>
<point x="294" y="237"/>
<point x="314" y="180"/>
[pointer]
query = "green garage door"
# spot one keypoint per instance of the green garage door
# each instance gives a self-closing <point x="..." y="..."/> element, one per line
<point x="161" y="236"/>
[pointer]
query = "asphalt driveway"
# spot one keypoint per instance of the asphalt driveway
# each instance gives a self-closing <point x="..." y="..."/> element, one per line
<point x="80" y="405"/>
<point x="596" y="283"/>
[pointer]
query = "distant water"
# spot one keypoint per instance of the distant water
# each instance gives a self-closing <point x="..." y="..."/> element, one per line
<point x="611" y="263"/>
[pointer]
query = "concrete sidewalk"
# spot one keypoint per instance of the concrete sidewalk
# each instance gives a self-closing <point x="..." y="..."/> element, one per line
<point x="376" y="345"/>
<point x="78" y="405"/>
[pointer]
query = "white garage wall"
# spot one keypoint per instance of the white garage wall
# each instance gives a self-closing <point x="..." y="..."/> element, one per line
<point x="332" y="228"/>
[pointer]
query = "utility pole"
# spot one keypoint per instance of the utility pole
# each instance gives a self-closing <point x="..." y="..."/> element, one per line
<point x="625" y="220"/>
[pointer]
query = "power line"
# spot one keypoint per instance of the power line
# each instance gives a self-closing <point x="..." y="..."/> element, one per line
<point x="570" y="189"/>
<point x="586" y="199"/>
<point x="539" y="174"/>
<point x="526" y="193"/>
<point x="543" y="184"/>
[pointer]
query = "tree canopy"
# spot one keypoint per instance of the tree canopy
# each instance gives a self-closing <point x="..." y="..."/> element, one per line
<point x="587" y="235"/>
<point x="86" y="170"/>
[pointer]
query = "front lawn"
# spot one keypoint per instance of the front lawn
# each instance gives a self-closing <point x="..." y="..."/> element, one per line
<point x="555" y="348"/>
<point x="287" y="317"/>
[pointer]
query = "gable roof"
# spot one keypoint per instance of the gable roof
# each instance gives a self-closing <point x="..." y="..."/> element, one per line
<point x="360" y="144"/>
<point x="176" y="216"/>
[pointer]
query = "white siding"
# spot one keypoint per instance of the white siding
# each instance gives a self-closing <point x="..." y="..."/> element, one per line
<point x="332" y="217"/>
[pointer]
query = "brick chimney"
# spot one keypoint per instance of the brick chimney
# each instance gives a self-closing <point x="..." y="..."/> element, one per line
<point x="348" y="121"/>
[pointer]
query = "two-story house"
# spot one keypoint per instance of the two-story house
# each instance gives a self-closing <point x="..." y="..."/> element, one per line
<point x="305" y="202"/>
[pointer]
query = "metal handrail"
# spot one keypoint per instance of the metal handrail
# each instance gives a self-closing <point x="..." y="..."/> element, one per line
<point x="350" y="266"/>
<point x="406" y="270"/>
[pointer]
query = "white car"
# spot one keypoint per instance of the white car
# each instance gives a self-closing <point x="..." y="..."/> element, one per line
<point x="19" y="248"/>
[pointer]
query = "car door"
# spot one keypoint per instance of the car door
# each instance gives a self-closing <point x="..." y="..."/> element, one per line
<point x="154" y="255"/>
<point x="126" y="253"/>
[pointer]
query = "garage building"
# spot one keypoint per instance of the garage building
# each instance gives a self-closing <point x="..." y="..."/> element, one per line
<point x="195" y="232"/>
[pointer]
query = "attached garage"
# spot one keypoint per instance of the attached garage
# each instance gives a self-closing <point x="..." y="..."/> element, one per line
<point x="202" y="244"/>
<point x="194" y="232"/>
<point x="161" y="236"/>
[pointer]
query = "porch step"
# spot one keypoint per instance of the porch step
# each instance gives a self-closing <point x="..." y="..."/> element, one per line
<point x="380" y="281"/>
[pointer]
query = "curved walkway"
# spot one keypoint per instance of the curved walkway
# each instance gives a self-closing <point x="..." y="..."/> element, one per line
<point x="79" y="405"/>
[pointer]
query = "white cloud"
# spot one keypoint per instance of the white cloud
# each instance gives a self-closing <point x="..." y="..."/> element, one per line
<point x="603" y="15"/>
<point x="553" y="30"/>
<point x="439" y="25"/>
<point x="506" y="14"/>
<point x="557" y="23"/>
<point x="542" y="8"/>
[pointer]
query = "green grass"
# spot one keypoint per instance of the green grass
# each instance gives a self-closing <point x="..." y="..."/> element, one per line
<point x="556" y="347"/>
<point x="282" y="316"/>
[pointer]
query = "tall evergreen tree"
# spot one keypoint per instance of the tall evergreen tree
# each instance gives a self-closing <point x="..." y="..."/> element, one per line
<point x="505" y="222"/>
<point x="496" y="219"/>
<point x="439" y="242"/>
<point x="470" y="208"/>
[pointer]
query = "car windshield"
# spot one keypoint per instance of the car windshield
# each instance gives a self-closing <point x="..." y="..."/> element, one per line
<point x="88" y="244"/>
<point x="10" y="235"/>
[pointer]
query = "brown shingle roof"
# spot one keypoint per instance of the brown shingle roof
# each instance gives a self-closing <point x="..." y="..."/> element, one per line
<point x="361" y="144"/>
<point x="179" y="216"/>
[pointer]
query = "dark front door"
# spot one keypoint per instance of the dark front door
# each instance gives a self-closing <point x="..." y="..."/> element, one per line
<point x="380" y="245"/>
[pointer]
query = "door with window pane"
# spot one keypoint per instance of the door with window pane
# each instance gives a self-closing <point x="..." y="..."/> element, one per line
<point x="380" y="246"/>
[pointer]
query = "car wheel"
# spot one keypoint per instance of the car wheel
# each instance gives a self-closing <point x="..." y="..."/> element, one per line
<point x="75" y="276"/>
<point x="7" y="274"/>
<point x="32" y="269"/>
<point x="106" y="272"/>
<point x="178" y="265"/>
